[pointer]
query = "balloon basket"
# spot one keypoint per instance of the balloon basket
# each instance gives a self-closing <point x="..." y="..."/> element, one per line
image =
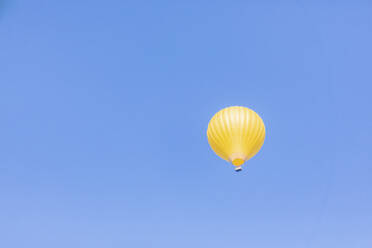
<point x="237" y="169"/>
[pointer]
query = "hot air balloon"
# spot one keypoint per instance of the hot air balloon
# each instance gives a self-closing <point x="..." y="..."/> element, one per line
<point x="236" y="134"/>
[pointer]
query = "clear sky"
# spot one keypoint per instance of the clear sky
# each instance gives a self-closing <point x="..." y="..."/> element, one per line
<point x="104" y="109"/>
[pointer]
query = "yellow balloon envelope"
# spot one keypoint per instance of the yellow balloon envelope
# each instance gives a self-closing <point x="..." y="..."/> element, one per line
<point x="236" y="134"/>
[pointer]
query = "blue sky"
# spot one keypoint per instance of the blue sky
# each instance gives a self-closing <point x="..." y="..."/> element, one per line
<point x="105" y="104"/>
